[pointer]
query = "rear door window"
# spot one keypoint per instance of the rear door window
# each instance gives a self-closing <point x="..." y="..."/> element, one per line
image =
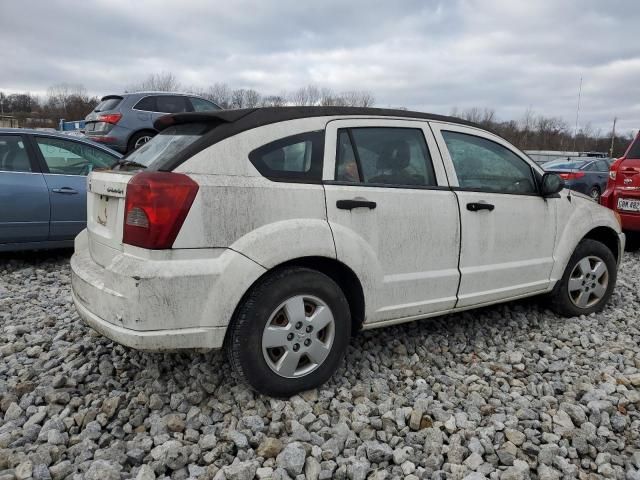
<point x="172" y="104"/>
<point x="146" y="104"/>
<point x="66" y="157"/>
<point x="384" y="156"/>
<point x="13" y="154"/>
<point x="294" y="158"/>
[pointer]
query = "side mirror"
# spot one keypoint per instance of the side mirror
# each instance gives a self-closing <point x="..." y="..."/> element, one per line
<point x="552" y="183"/>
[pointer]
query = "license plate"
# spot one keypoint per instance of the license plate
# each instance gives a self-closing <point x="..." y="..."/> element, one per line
<point x="629" y="205"/>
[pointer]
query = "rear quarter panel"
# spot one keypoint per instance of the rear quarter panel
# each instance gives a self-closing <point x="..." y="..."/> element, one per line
<point x="236" y="207"/>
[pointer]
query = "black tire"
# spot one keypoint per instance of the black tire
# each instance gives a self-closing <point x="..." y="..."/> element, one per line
<point x="594" y="193"/>
<point x="245" y="333"/>
<point x="560" y="299"/>
<point x="136" y="137"/>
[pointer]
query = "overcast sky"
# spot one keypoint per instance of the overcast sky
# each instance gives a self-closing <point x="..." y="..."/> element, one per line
<point x="507" y="55"/>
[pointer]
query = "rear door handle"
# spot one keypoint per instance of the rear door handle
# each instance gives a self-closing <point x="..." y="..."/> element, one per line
<point x="355" y="203"/>
<point x="477" y="206"/>
<point x="66" y="190"/>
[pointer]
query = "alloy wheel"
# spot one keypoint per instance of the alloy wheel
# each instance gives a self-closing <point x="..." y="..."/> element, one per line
<point x="298" y="336"/>
<point x="588" y="282"/>
<point x="141" y="141"/>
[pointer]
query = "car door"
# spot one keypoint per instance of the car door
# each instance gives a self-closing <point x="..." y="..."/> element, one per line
<point x="508" y="228"/>
<point x="66" y="163"/>
<point x="24" y="198"/>
<point x="393" y="215"/>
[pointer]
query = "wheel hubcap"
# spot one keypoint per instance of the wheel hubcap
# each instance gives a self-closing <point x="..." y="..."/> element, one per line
<point x="588" y="282"/>
<point x="595" y="194"/>
<point x="141" y="141"/>
<point x="298" y="336"/>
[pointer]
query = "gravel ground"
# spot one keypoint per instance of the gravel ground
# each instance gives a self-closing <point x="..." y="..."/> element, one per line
<point x="510" y="392"/>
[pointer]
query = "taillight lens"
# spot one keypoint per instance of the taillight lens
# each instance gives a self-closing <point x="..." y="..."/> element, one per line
<point x="110" y="118"/>
<point x="613" y="169"/>
<point x="156" y="205"/>
<point x="572" y="175"/>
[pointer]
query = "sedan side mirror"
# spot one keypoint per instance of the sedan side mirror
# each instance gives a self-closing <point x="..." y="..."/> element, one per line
<point x="552" y="183"/>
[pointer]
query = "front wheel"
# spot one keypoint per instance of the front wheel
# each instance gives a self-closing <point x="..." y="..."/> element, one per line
<point x="594" y="193"/>
<point x="587" y="282"/>
<point x="290" y="332"/>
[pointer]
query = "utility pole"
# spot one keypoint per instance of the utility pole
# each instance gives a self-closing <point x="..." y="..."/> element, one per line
<point x="575" y="132"/>
<point x="613" y="136"/>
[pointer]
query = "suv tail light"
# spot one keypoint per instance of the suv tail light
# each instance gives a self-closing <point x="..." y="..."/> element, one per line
<point x="613" y="169"/>
<point x="156" y="205"/>
<point x="572" y="175"/>
<point x="110" y="118"/>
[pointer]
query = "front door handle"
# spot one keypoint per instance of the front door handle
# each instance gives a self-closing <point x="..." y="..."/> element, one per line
<point x="477" y="206"/>
<point x="355" y="203"/>
<point x="66" y="190"/>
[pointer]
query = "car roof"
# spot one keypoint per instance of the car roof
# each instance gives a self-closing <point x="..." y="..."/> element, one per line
<point x="56" y="134"/>
<point x="228" y="123"/>
<point x="147" y="93"/>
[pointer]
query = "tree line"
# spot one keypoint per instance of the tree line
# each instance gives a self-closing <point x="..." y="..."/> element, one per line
<point x="538" y="132"/>
<point x="531" y="132"/>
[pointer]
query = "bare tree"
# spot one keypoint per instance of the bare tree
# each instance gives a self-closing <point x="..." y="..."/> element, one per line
<point x="273" y="101"/>
<point x="251" y="98"/>
<point x="220" y="93"/>
<point x="157" y="82"/>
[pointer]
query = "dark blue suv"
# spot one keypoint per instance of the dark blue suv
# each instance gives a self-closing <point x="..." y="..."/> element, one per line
<point x="125" y="122"/>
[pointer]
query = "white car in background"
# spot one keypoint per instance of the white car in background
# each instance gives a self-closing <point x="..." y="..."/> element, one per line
<point x="278" y="232"/>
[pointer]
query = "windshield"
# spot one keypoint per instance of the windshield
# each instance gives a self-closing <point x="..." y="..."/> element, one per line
<point x="564" y="165"/>
<point x="168" y="144"/>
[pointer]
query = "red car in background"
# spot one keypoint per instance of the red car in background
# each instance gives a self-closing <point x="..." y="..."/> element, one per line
<point x="623" y="190"/>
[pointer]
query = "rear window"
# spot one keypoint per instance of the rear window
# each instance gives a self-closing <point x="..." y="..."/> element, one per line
<point x="634" y="151"/>
<point x="169" y="144"/>
<point x="108" y="104"/>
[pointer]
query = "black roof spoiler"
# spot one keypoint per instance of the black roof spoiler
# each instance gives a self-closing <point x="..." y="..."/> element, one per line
<point x="217" y="117"/>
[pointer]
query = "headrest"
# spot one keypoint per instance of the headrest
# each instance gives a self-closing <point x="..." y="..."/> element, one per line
<point x="395" y="156"/>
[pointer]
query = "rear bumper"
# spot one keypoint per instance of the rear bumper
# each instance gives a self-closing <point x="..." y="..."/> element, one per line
<point x="630" y="221"/>
<point x="168" y="302"/>
<point x="154" y="340"/>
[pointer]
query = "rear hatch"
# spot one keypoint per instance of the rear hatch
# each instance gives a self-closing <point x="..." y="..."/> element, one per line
<point x="103" y="118"/>
<point x="107" y="189"/>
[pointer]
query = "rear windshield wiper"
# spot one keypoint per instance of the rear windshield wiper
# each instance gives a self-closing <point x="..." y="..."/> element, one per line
<point x="123" y="162"/>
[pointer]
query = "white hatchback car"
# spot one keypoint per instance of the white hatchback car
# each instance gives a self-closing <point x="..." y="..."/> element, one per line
<point x="277" y="232"/>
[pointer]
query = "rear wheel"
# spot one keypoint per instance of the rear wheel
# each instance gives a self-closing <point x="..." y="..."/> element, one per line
<point x="587" y="282"/>
<point x="139" y="139"/>
<point x="290" y="333"/>
<point x="594" y="193"/>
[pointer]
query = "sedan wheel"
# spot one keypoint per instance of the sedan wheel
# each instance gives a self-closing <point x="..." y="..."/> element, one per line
<point x="595" y="194"/>
<point x="588" y="282"/>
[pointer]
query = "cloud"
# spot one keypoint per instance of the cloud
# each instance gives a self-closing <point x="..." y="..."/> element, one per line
<point x="508" y="55"/>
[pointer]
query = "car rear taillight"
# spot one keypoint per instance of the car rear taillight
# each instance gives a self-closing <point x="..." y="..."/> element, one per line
<point x="572" y="175"/>
<point x="156" y="205"/>
<point x="613" y="169"/>
<point x="110" y="118"/>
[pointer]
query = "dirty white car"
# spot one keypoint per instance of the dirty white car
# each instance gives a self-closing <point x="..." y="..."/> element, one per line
<point x="276" y="233"/>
